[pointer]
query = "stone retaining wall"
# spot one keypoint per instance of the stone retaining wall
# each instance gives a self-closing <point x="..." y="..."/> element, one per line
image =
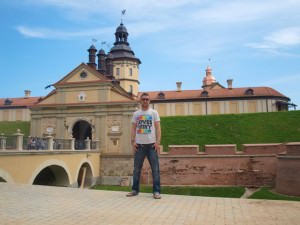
<point x="272" y="164"/>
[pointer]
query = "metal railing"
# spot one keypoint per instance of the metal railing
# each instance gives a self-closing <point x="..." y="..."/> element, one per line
<point x="20" y="143"/>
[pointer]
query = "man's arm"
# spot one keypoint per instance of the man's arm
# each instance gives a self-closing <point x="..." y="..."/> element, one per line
<point x="158" y="135"/>
<point x="133" y="133"/>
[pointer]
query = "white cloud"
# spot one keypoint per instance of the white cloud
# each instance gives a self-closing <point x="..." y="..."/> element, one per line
<point x="46" y="33"/>
<point x="29" y="32"/>
<point x="285" y="37"/>
<point x="280" y="42"/>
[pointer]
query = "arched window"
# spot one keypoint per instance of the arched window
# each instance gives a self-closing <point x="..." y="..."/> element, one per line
<point x="161" y="95"/>
<point x="249" y="91"/>
<point x="204" y="94"/>
<point x="7" y="102"/>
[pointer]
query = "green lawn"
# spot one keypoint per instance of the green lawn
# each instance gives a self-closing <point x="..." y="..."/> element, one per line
<point x="227" y="192"/>
<point x="267" y="193"/>
<point x="9" y="128"/>
<point x="275" y="127"/>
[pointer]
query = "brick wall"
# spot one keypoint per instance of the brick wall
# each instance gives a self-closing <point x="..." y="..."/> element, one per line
<point x="243" y="170"/>
<point x="255" y="165"/>
<point x="288" y="170"/>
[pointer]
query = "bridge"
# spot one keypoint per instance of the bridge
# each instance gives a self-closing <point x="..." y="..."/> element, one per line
<point x="48" y="166"/>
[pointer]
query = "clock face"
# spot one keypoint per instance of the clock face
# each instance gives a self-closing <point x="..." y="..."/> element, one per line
<point x="83" y="75"/>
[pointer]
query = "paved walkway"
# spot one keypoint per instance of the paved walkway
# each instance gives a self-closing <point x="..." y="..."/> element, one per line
<point x="42" y="205"/>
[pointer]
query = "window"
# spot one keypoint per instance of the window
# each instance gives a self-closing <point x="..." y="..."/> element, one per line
<point x="81" y="96"/>
<point x="118" y="72"/>
<point x="249" y="92"/>
<point x="130" y="89"/>
<point x="204" y="94"/>
<point x="7" y="102"/>
<point x="130" y="72"/>
<point x="161" y="95"/>
<point x="83" y="75"/>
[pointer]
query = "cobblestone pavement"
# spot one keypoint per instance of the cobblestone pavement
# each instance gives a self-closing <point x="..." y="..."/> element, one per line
<point x="26" y="204"/>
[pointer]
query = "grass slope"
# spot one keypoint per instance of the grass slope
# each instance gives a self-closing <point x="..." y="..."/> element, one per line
<point x="267" y="193"/>
<point x="275" y="127"/>
<point x="9" y="128"/>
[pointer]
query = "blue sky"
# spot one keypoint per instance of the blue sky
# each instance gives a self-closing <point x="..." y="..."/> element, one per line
<point x="254" y="42"/>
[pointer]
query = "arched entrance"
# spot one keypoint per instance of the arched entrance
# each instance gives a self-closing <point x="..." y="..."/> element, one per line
<point x="52" y="176"/>
<point x="81" y="131"/>
<point x="85" y="176"/>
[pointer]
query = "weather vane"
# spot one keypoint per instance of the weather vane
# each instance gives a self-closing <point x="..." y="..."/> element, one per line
<point x="122" y="14"/>
<point x="94" y="40"/>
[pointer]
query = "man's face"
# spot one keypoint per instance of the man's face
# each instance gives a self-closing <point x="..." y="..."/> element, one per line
<point x="145" y="100"/>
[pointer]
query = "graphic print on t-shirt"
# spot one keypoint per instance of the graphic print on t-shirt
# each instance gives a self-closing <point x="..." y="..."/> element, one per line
<point x="144" y="124"/>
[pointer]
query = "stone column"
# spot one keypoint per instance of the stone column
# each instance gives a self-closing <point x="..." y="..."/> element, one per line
<point x="50" y="142"/>
<point x="87" y="144"/>
<point x="72" y="143"/>
<point x="2" y="142"/>
<point x="19" y="140"/>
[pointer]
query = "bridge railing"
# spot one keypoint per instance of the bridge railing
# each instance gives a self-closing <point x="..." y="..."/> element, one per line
<point x="8" y="142"/>
<point x="18" y="142"/>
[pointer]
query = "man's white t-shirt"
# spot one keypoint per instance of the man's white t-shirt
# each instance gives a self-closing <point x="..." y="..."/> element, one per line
<point x="145" y="129"/>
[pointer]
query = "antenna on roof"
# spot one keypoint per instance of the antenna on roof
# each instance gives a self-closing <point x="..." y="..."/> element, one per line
<point x="122" y="14"/>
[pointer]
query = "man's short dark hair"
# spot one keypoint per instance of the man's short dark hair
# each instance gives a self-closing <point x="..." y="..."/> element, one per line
<point x="144" y="94"/>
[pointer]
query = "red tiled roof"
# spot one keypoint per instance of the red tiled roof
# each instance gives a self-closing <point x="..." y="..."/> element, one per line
<point x="18" y="102"/>
<point x="215" y="93"/>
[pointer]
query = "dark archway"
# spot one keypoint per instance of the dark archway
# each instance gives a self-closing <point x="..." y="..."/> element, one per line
<point x="85" y="173"/>
<point x="52" y="176"/>
<point x="81" y="131"/>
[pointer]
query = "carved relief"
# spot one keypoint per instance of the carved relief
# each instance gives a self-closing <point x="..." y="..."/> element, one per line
<point x="49" y="123"/>
<point x="114" y="124"/>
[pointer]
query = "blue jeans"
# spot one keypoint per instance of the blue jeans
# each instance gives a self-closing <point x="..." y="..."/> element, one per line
<point x="152" y="156"/>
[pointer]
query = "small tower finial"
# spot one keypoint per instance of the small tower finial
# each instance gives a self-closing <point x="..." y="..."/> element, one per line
<point x="122" y="14"/>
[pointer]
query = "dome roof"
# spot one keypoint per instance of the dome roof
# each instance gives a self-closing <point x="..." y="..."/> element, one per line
<point x="101" y="51"/>
<point x="121" y="28"/>
<point x="92" y="48"/>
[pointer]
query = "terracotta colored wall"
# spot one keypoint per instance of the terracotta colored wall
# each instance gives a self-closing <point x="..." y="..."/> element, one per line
<point x="217" y="165"/>
<point x="214" y="170"/>
<point x="288" y="171"/>
<point x="257" y="165"/>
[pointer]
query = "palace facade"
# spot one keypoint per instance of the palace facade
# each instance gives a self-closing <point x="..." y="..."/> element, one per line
<point x="96" y="99"/>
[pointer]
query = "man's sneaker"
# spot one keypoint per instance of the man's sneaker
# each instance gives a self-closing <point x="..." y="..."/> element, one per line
<point x="131" y="194"/>
<point x="156" y="196"/>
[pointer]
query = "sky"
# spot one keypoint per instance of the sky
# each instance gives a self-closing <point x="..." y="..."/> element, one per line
<point x="254" y="42"/>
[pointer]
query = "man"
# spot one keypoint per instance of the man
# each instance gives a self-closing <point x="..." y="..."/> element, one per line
<point x="145" y="139"/>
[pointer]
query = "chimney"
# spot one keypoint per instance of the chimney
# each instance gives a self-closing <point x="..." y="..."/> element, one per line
<point x="27" y="93"/>
<point x="101" y="61"/>
<point x="178" y="86"/>
<point x="92" y="57"/>
<point x="229" y="83"/>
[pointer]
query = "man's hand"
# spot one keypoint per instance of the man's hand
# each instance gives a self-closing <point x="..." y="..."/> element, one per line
<point x="134" y="146"/>
<point x="157" y="147"/>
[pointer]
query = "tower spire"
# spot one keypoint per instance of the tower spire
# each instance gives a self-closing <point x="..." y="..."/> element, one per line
<point x="122" y="15"/>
